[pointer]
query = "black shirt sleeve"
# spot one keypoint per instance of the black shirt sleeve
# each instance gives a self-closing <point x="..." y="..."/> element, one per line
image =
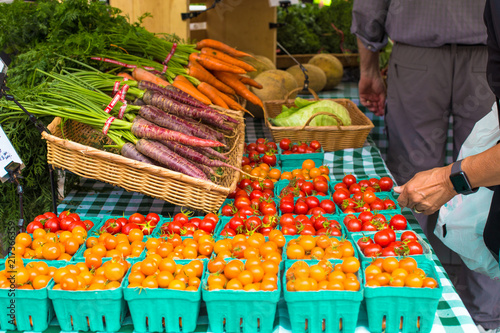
<point x="492" y="21"/>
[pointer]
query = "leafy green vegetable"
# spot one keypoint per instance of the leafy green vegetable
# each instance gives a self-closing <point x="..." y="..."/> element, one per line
<point x="35" y="34"/>
<point x="308" y="28"/>
<point x="298" y="116"/>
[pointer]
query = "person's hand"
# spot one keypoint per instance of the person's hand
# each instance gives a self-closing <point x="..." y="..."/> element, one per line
<point x="372" y="92"/>
<point x="427" y="191"/>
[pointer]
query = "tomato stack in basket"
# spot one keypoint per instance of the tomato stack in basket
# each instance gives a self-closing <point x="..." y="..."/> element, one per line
<point x="290" y="229"/>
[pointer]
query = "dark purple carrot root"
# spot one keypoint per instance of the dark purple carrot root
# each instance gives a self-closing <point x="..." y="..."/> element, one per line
<point x="168" y="158"/>
<point x="210" y="152"/>
<point x="129" y="150"/>
<point x="172" y="106"/>
<point x="147" y="130"/>
<point x="195" y="156"/>
<point x="172" y="122"/>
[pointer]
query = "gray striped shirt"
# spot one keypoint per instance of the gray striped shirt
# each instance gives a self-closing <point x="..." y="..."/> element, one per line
<point x="423" y="23"/>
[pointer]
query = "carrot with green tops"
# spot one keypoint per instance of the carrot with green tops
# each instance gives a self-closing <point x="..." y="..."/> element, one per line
<point x="234" y="82"/>
<point x="140" y="74"/>
<point x="183" y="84"/>
<point x="250" y="82"/>
<point x="215" y="64"/>
<point x="221" y="47"/>
<point x="213" y="94"/>
<point x="227" y="58"/>
<point x="199" y="72"/>
<point x="233" y="105"/>
<point x="126" y="76"/>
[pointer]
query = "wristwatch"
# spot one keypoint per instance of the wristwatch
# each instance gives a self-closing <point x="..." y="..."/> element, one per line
<point x="459" y="179"/>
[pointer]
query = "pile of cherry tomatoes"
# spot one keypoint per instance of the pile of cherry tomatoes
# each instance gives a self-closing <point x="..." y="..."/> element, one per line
<point x="369" y="221"/>
<point x="323" y="276"/>
<point x="397" y="273"/>
<point x="315" y="225"/>
<point x="352" y="196"/>
<point x="53" y="223"/>
<point x="288" y="147"/>
<point x="166" y="273"/>
<point x="135" y="221"/>
<point x="261" y="151"/>
<point x="385" y="243"/>
<point x="318" y="248"/>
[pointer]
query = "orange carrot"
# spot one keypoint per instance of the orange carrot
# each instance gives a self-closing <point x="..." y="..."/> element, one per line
<point x="221" y="47"/>
<point x="227" y="58"/>
<point x="197" y="71"/>
<point x="140" y="74"/>
<point x="233" y="105"/>
<point x="234" y="82"/>
<point x="250" y="82"/>
<point x="215" y="64"/>
<point x="126" y="75"/>
<point x="213" y="94"/>
<point x="183" y="84"/>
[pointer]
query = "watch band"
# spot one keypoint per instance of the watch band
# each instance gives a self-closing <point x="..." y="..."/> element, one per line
<point x="456" y="167"/>
<point x="459" y="179"/>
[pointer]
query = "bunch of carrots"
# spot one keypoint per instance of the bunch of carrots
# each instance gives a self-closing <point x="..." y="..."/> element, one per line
<point x="214" y="74"/>
<point x="153" y="124"/>
<point x="221" y="75"/>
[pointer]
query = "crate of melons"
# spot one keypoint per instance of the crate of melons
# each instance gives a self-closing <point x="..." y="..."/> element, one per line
<point x="24" y="296"/>
<point x="332" y="287"/>
<point x="242" y="295"/>
<point x="164" y="295"/>
<point x="401" y="295"/>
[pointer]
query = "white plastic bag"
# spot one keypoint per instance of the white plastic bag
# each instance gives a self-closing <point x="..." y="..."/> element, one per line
<point x="465" y="215"/>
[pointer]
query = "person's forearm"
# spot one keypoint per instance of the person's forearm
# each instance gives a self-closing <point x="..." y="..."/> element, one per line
<point x="483" y="169"/>
<point x="369" y="61"/>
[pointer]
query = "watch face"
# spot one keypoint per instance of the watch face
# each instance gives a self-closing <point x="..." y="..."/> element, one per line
<point x="460" y="183"/>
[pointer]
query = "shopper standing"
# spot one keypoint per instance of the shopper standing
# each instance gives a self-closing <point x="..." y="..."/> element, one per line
<point x="437" y="70"/>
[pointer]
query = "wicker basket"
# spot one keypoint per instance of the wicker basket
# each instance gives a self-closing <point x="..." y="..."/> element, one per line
<point x="332" y="138"/>
<point x="80" y="152"/>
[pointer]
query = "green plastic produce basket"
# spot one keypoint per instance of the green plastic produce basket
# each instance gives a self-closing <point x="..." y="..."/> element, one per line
<point x="335" y="311"/>
<point x="96" y="311"/>
<point x="32" y="309"/>
<point x="290" y="162"/>
<point x="413" y="308"/>
<point x="426" y="255"/>
<point x="235" y="311"/>
<point x="163" y="310"/>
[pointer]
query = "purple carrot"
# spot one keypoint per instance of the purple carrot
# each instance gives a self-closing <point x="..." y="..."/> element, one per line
<point x="144" y="129"/>
<point x="138" y="101"/>
<point x="180" y="96"/>
<point x="176" y="94"/>
<point x="191" y="154"/>
<point x="129" y="150"/>
<point x="209" y="152"/>
<point x="168" y="158"/>
<point x="209" y="172"/>
<point x="218" y="135"/>
<point x="169" y="121"/>
<point x="169" y="105"/>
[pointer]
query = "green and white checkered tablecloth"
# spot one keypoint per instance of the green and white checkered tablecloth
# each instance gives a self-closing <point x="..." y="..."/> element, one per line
<point x="94" y="198"/>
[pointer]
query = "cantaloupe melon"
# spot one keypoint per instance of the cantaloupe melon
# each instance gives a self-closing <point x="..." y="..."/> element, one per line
<point x="273" y="86"/>
<point x="317" y="78"/>
<point x="331" y="66"/>
<point x="260" y="63"/>
<point x="290" y="82"/>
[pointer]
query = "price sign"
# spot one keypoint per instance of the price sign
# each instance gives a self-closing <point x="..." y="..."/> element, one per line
<point x="7" y="154"/>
